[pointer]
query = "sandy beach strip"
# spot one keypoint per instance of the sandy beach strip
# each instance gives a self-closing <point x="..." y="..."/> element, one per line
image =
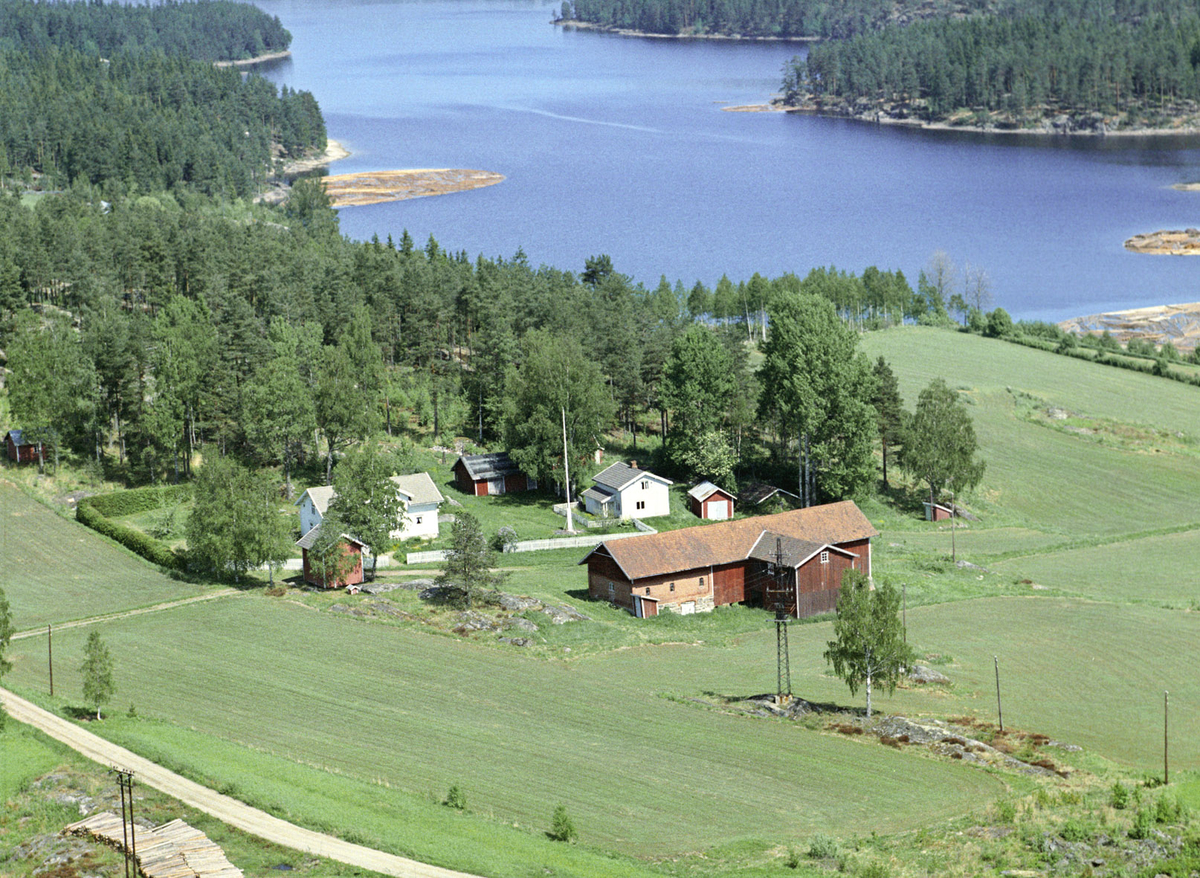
<point x="376" y="187"/>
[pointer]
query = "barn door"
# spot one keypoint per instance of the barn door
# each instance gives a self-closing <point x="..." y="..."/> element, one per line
<point x="496" y="486"/>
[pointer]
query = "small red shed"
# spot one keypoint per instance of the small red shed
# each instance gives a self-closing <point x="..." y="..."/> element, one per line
<point x="482" y="475"/>
<point x="937" y="512"/>
<point x="707" y="500"/>
<point x="20" y="451"/>
<point x="352" y="551"/>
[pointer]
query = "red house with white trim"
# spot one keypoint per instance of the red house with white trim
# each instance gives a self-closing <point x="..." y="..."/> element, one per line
<point x="487" y="474"/>
<point x="351" y="548"/>
<point x="709" y="501"/>
<point x="696" y="569"/>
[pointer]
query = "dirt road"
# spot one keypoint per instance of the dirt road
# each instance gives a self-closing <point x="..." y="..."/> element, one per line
<point x="123" y="614"/>
<point x="225" y="809"/>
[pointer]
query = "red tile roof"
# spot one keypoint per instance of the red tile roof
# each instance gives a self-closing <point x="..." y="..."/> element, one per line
<point x="728" y="541"/>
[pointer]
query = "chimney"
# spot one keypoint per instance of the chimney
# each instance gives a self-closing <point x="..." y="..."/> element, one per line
<point x="633" y="464"/>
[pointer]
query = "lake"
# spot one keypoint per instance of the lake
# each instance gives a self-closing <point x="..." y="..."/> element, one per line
<point x="620" y="145"/>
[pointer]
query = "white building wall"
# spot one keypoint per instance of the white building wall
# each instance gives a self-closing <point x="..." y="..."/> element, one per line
<point x="418" y="521"/>
<point x="650" y="493"/>
<point x="309" y="517"/>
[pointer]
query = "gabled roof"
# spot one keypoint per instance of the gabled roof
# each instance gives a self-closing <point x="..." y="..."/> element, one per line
<point x="488" y="466"/>
<point x="321" y="497"/>
<point x="619" y="476"/>
<point x="15" y="436"/>
<point x="704" y="490"/>
<point x="729" y="541"/>
<point x="789" y="551"/>
<point x="418" y="488"/>
<point x="309" y="539"/>
<point x="756" y="492"/>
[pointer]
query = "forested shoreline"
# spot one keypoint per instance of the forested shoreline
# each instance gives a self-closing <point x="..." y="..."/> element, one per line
<point x="127" y="97"/>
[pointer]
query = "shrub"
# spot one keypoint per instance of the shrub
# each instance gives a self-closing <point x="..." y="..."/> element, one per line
<point x="793" y="859"/>
<point x="456" y="798"/>
<point x="1143" y="822"/>
<point x="1075" y="830"/>
<point x="137" y="542"/>
<point x="874" y="869"/>
<point x="1006" y="812"/>
<point x="561" y="827"/>
<point x="822" y="847"/>
<point x="1120" y="796"/>
<point x="999" y="323"/>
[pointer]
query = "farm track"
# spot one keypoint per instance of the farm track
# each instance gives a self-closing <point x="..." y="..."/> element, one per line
<point x="236" y="814"/>
<point x="154" y="608"/>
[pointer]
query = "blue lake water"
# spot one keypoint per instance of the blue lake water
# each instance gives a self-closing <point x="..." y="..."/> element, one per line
<point x="620" y="146"/>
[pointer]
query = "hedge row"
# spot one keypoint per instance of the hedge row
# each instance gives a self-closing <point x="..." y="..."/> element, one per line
<point x="152" y="550"/>
<point x="138" y="500"/>
<point x="1147" y="365"/>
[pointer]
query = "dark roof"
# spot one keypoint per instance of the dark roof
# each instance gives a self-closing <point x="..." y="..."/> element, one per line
<point x="309" y="539"/>
<point x="599" y="493"/>
<point x="756" y="492"/>
<point x="15" y="436"/>
<point x="619" y="475"/>
<point x="729" y="541"/>
<point x="488" y="466"/>
<point x="794" y="552"/>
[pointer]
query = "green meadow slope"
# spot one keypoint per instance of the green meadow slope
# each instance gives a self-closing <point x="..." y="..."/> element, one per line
<point x="361" y="726"/>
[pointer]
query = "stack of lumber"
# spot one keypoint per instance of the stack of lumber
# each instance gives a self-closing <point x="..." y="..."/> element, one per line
<point x="173" y="850"/>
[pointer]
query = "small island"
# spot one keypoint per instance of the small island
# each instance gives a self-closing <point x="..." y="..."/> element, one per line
<point x="375" y="187"/>
<point x="1168" y="242"/>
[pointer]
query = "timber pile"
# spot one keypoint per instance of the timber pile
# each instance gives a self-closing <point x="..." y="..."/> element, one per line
<point x="173" y="850"/>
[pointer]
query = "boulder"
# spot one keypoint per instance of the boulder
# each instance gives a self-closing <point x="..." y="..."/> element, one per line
<point x="926" y="675"/>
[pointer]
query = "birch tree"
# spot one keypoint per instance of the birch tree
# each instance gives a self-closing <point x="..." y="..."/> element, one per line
<point x="868" y="648"/>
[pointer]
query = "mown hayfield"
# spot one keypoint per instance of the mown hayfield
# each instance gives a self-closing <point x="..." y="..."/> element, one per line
<point x="54" y="570"/>
<point x="607" y="737"/>
<point x="1048" y="479"/>
<point x="1156" y="570"/>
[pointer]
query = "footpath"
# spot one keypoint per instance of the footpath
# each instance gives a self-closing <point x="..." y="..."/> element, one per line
<point x="236" y="814"/>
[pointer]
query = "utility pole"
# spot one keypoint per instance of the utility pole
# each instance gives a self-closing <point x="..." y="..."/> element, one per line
<point x="567" y="472"/>
<point x="125" y="782"/>
<point x="953" y="511"/>
<point x="50" y="655"/>
<point x="777" y="598"/>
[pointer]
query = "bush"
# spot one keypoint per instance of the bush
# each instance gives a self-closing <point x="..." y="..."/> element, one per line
<point x="137" y="542"/>
<point x="456" y="798"/>
<point x="822" y="847"/>
<point x="1076" y="831"/>
<point x="1006" y="812"/>
<point x="1120" y="796"/>
<point x="1143" y="823"/>
<point x="561" y="827"/>
<point x="138" y="500"/>
<point x="999" y="323"/>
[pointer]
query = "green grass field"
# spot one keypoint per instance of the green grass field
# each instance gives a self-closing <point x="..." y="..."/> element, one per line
<point x="54" y="570"/>
<point x="361" y="727"/>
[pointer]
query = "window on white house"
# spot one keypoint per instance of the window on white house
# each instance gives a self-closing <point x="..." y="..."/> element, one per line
<point x="824" y="557"/>
<point x="641" y="504"/>
<point x="418" y="519"/>
<point x="645" y="484"/>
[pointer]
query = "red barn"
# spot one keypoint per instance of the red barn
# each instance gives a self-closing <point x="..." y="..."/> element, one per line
<point x="699" y="568"/>
<point x="484" y="474"/>
<point x="706" y="500"/>
<point x="352" y="550"/>
<point x="938" y="512"/>
<point x="20" y="451"/>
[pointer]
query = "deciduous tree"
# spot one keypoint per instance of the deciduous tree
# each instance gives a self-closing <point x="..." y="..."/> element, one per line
<point x="868" y="647"/>
<point x="97" y="670"/>
<point x="6" y="633"/>
<point x="940" y="446"/>
<point x="367" y="502"/>
<point x="697" y="388"/>
<point x="234" y="525"/>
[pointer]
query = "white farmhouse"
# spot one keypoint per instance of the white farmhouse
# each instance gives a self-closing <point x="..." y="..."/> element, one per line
<point x="624" y="491"/>
<point x="419" y="500"/>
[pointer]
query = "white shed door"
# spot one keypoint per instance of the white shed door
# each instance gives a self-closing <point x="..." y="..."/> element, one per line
<point x="496" y="486"/>
<point x="687" y="608"/>
<point x="718" y="511"/>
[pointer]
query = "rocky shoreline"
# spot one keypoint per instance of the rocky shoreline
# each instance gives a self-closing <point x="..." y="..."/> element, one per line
<point x="574" y="24"/>
<point x="257" y="59"/>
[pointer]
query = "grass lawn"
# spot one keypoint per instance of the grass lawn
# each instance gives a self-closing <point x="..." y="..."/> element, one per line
<point x="54" y="570"/>
<point x="614" y="738"/>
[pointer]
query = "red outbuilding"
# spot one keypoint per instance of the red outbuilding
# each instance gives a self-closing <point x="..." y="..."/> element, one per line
<point x="352" y="555"/>
<point x="488" y="474"/>
<point x="20" y="451"/>
<point x="706" y="500"/>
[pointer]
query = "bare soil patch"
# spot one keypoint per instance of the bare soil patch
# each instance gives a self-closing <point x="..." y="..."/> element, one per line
<point x="375" y="187"/>
<point x="1166" y="242"/>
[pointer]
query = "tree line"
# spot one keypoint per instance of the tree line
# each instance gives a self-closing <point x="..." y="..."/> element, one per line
<point x="167" y="324"/>
<point x="146" y="120"/>
<point x="208" y="30"/>
<point x="1134" y="61"/>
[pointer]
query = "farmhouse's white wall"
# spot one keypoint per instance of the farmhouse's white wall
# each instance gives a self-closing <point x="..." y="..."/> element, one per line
<point x="649" y="492"/>
<point x="309" y="517"/>
<point x="418" y="520"/>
